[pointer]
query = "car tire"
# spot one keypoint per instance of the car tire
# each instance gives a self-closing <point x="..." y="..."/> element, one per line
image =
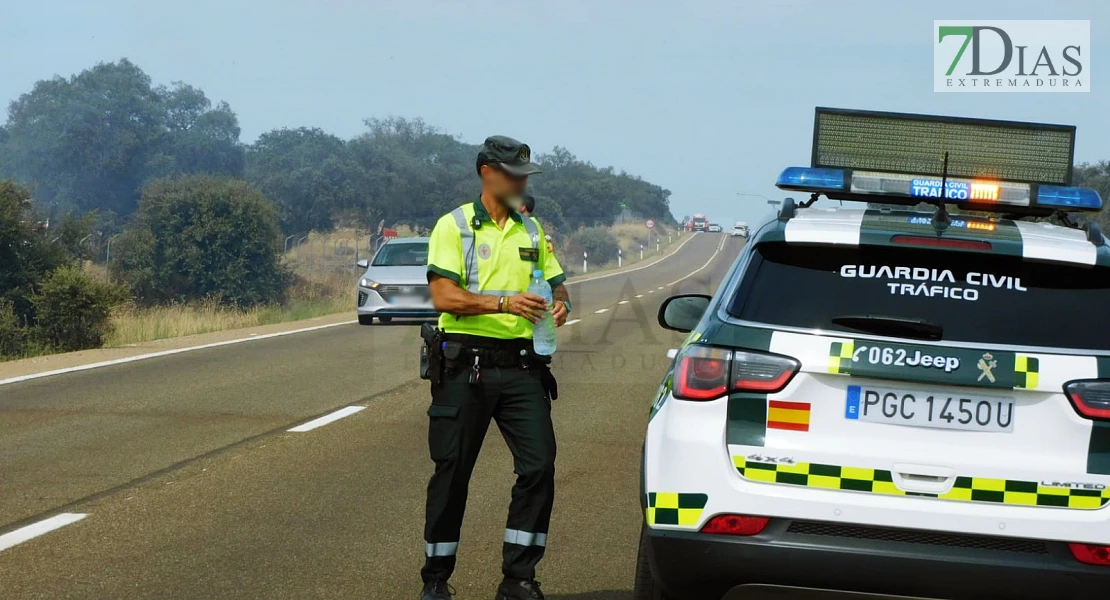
<point x="385" y="319"/>
<point x="645" y="587"/>
<point x="365" y="319"/>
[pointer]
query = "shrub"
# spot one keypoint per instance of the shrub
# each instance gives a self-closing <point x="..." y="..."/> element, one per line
<point x="73" y="311"/>
<point x="199" y="238"/>
<point x="598" y="242"/>
<point x="12" y="336"/>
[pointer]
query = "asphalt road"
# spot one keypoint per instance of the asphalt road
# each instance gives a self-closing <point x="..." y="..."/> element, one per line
<point x="193" y="486"/>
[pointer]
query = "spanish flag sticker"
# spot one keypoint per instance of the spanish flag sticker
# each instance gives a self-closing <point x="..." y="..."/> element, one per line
<point x="793" y="416"/>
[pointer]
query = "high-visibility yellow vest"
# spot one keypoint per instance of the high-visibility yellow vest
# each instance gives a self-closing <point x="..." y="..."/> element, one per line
<point x="491" y="261"/>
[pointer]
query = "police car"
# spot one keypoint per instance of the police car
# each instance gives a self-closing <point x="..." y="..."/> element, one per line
<point x="890" y="397"/>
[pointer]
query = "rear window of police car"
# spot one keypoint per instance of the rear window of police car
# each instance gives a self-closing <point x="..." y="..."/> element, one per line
<point x="973" y="297"/>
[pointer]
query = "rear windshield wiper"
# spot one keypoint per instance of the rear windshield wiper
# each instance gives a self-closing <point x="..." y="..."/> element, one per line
<point x="899" y="326"/>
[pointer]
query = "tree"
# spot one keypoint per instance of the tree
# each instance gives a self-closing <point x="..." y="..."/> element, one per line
<point x="415" y="171"/>
<point x="590" y="196"/>
<point x="197" y="138"/>
<point x="26" y="257"/>
<point x="311" y="175"/>
<point x="92" y="140"/>
<point x="1097" y="177"/>
<point x="203" y="237"/>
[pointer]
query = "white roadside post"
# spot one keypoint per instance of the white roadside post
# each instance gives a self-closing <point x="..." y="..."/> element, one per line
<point x="585" y="269"/>
<point x="620" y="255"/>
<point x="641" y="252"/>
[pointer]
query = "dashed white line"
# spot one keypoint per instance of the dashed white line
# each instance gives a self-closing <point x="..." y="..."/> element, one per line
<point x="324" y="420"/>
<point x="120" y="361"/>
<point x="720" y="246"/>
<point x="623" y="302"/>
<point x="571" y="322"/>
<point x="639" y="295"/>
<point x="661" y="287"/>
<point x="36" y="529"/>
<point x="601" y="310"/>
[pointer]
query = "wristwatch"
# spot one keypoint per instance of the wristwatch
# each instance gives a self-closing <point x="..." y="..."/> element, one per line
<point x="566" y="303"/>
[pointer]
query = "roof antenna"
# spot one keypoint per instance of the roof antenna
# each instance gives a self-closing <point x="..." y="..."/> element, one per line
<point x="941" y="221"/>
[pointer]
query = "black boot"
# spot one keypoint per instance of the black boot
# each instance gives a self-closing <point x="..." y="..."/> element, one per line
<point x="519" y="589"/>
<point x="436" y="590"/>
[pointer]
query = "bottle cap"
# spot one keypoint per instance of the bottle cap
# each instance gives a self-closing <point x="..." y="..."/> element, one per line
<point x="537" y="273"/>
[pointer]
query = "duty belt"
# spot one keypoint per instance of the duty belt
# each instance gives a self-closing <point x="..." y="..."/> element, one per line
<point x="494" y="352"/>
<point x="514" y="345"/>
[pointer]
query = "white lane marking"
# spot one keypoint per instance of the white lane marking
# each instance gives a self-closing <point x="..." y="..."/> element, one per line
<point x="651" y="291"/>
<point x="571" y="322"/>
<point x="659" y="288"/>
<point x="633" y="269"/>
<point x="720" y="247"/>
<point x="324" y="420"/>
<point x="36" y="529"/>
<point x="639" y="295"/>
<point x="623" y="302"/>
<point x="120" y="361"/>
<point x="601" y="310"/>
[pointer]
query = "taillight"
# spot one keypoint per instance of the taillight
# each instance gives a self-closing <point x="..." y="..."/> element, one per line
<point x="735" y="525"/>
<point x="758" y="372"/>
<point x="937" y="242"/>
<point x="707" y="372"/>
<point x="1090" y="397"/>
<point x="702" y="373"/>
<point x="1091" y="554"/>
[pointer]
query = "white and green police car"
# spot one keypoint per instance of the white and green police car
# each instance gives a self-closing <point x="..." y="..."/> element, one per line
<point x="881" y="399"/>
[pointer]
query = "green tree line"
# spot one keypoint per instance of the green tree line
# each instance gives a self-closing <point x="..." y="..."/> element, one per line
<point x="196" y="214"/>
<point x="91" y="142"/>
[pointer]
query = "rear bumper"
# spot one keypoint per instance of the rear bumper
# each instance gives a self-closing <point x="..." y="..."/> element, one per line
<point x="858" y="560"/>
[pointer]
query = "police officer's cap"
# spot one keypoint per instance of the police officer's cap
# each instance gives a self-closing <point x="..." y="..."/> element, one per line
<point x="507" y="154"/>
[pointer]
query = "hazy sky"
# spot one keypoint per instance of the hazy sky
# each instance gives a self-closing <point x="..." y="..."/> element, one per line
<point x="705" y="98"/>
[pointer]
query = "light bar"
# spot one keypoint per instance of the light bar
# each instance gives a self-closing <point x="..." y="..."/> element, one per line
<point x="806" y="178"/>
<point x="957" y="191"/>
<point x="977" y="194"/>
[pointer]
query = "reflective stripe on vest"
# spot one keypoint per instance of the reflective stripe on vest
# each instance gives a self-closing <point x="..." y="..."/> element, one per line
<point x="470" y="261"/>
<point x="467" y="235"/>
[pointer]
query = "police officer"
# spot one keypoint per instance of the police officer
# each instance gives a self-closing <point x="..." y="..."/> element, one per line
<point x="528" y="209"/>
<point x="480" y="261"/>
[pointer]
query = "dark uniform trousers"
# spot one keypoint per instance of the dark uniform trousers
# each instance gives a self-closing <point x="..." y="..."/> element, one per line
<point x="459" y="417"/>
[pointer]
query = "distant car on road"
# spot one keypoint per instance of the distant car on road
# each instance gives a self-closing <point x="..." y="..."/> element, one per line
<point x="395" y="283"/>
<point x="740" y="229"/>
<point x="714" y="228"/>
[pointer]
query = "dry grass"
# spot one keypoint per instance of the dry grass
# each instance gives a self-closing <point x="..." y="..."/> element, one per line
<point x="324" y="267"/>
<point x="306" y="300"/>
<point x="629" y="237"/>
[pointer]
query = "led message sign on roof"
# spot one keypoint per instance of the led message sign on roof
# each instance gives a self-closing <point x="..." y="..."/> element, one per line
<point x="915" y="144"/>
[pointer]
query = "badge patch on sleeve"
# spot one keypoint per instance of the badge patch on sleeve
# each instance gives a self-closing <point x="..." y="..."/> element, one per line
<point x="532" y="254"/>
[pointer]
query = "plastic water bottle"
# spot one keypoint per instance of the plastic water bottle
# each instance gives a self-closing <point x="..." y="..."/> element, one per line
<point x="543" y="332"/>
